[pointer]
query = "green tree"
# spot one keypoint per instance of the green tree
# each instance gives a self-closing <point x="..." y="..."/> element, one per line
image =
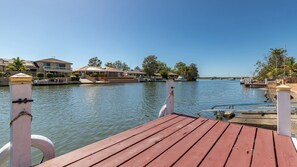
<point x="150" y="65"/>
<point x="108" y="64"/>
<point x="180" y="68"/>
<point x="277" y="57"/>
<point x="291" y="67"/>
<point x="192" y="72"/>
<point x="164" y="74"/>
<point x="94" y="61"/>
<point x="118" y="65"/>
<point x="137" y="68"/>
<point x="162" y="66"/>
<point x="274" y="65"/>
<point x="17" y="65"/>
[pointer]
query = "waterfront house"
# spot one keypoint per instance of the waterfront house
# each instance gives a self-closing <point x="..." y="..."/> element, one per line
<point x="113" y="72"/>
<point x="32" y="67"/>
<point x="54" y="66"/>
<point x="90" y="71"/>
<point x="172" y="75"/>
<point x="136" y="74"/>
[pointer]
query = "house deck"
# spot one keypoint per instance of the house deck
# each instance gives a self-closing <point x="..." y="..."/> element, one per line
<point x="179" y="140"/>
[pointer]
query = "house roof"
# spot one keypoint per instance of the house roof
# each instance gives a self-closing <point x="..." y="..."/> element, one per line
<point x="53" y="60"/>
<point x="109" y="69"/>
<point x="171" y="73"/>
<point x="90" y="69"/>
<point x="136" y="72"/>
<point x="27" y="62"/>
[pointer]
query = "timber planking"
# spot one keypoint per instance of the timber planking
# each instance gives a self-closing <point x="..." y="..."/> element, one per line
<point x="179" y="140"/>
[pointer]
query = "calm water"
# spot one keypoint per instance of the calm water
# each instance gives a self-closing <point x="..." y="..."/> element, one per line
<point x="76" y="115"/>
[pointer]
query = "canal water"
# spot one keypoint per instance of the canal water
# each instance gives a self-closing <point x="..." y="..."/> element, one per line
<point x="73" y="116"/>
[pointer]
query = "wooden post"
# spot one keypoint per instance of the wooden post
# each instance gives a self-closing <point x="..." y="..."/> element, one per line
<point x="20" y="116"/>
<point x="283" y="110"/>
<point x="170" y="95"/>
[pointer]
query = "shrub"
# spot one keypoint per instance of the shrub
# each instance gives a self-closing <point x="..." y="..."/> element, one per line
<point x="74" y="78"/>
<point x="40" y="75"/>
<point x="49" y="75"/>
<point x="2" y="74"/>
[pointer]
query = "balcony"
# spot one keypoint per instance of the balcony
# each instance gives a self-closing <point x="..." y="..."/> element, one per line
<point x="54" y="68"/>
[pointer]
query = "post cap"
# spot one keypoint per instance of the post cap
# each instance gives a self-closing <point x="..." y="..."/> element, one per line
<point x="20" y="78"/>
<point x="283" y="88"/>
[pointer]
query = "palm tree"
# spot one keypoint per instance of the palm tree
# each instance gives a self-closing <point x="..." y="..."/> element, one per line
<point x="291" y="66"/>
<point x="17" y="65"/>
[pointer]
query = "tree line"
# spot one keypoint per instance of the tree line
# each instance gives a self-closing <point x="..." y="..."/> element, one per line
<point x="276" y="64"/>
<point x="152" y="65"/>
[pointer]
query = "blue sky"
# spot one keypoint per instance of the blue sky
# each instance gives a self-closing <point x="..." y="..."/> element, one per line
<point x="223" y="37"/>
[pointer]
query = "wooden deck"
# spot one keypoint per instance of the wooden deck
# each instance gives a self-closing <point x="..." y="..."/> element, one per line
<point x="256" y="85"/>
<point x="178" y="140"/>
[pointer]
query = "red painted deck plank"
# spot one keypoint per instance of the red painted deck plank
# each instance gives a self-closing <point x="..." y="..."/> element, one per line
<point x="241" y="154"/>
<point x="220" y="152"/>
<point x="148" y="155"/>
<point x="185" y="141"/>
<point x="95" y="147"/>
<point x="175" y="152"/>
<point x="264" y="149"/>
<point x="103" y="154"/>
<point x="196" y="154"/>
<point x="285" y="151"/>
<point x="126" y="154"/>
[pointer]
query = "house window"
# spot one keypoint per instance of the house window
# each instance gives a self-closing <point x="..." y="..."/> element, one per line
<point x="46" y="64"/>
<point x="61" y="65"/>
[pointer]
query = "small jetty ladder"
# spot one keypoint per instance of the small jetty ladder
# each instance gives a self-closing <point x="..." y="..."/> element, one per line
<point x="21" y="140"/>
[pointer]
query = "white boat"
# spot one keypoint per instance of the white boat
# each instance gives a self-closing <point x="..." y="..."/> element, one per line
<point x="180" y="79"/>
<point x="241" y="81"/>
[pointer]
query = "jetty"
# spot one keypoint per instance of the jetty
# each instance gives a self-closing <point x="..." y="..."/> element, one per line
<point x="180" y="140"/>
<point x="255" y="85"/>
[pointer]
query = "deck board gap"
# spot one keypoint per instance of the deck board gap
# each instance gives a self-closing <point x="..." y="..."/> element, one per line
<point x="274" y="146"/>
<point x="254" y="146"/>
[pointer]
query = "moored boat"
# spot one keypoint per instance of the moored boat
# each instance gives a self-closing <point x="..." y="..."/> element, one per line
<point x="241" y="80"/>
<point x="180" y="79"/>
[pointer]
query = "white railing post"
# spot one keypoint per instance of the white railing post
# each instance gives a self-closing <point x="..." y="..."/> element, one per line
<point x="20" y="116"/>
<point x="170" y="99"/>
<point x="266" y="81"/>
<point x="283" y="110"/>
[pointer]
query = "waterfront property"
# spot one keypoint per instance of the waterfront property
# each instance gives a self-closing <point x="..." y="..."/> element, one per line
<point x="32" y="67"/>
<point x="113" y="72"/>
<point x="172" y="75"/>
<point x="89" y="71"/>
<point x="54" y="66"/>
<point x="136" y="74"/>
